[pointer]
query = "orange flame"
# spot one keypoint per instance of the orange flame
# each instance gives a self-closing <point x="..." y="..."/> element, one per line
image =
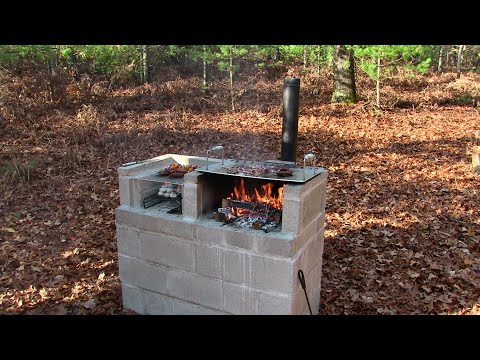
<point x="263" y="195"/>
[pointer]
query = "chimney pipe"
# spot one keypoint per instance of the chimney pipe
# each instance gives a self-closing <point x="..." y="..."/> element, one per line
<point x="291" y="94"/>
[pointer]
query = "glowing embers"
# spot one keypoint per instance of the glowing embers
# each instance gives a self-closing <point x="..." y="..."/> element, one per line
<point x="257" y="207"/>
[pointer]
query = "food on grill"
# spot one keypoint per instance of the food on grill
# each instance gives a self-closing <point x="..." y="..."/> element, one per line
<point x="164" y="172"/>
<point x="170" y="191"/>
<point x="258" y="170"/>
<point x="254" y="170"/>
<point x="283" y="172"/>
<point x="176" y="170"/>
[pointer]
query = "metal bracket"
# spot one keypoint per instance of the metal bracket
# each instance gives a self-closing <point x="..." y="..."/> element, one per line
<point x="306" y="159"/>
<point x="216" y="148"/>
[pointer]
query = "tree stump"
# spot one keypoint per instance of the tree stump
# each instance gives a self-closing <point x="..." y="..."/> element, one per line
<point x="476" y="158"/>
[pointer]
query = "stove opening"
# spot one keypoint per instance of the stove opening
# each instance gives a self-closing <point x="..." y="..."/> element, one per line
<point x="251" y="203"/>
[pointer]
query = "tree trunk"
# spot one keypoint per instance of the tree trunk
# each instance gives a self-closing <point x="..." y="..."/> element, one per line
<point x="231" y="78"/>
<point x="205" y="79"/>
<point x="145" y="65"/>
<point x="378" y="81"/>
<point x="52" y="74"/>
<point x="440" y="58"/>
<point x="318" y="61"/>
<point x="305" y="57"/>
<point x="459" y="60"/>
<point x="276" y="54"/>
<point x="344" y="89"/>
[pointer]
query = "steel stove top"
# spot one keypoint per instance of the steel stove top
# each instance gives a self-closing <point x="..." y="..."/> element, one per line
<point x="300" y="174"/>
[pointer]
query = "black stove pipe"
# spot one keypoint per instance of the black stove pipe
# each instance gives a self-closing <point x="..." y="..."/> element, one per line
<point x="291" y="95"/>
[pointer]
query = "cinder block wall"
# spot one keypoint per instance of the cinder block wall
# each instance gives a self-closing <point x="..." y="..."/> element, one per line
<point x="171" y="264"/>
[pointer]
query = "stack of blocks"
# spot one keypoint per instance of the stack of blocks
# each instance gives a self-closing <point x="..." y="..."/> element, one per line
<point x="190" y="264"/>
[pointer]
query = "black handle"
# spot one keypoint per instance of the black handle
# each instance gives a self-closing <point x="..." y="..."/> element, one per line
<point x="301" y="277"/>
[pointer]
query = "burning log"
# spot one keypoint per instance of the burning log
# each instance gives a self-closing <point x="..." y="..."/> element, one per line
<point x="257" y="225"/>
<point x="220" y="217"/>
<point x="247" y="205"/>
<point x="259" y="208"/>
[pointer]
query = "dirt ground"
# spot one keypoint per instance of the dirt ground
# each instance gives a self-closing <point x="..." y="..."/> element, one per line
<point x="402" y="216"/>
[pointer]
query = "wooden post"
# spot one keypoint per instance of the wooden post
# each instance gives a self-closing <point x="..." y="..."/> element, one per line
<point x="476" y="158"/>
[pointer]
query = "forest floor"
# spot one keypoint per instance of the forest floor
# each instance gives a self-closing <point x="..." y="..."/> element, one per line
<point x="402" y="216"/>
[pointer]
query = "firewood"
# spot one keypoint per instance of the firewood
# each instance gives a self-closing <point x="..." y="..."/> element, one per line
<point x="257" y="225"/>
<point x="220" y="217"/>
<point x="244" y="204"/>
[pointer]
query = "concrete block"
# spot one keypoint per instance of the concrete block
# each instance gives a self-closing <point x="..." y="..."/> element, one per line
<point x="300" y="263"/>
<point x="178" y="227"/>
<point x="160" y="249"/>
<point x="315" y="252"/>
<point x="320" y="224"/>
<point x="307" y="258"/>
<point x="156" y="304"/>
<point x="240" y="238"/>
<point x="294" y="189"/>
<point x="180" y="307"/>
<point x="269" y="273"/>
<point x="210" y="234"/>
<point x="303" y="189"/>
<point x="191" y="177"/>
<point x="316" y="275"/>
<point x="128" y="241"/>
<point x="132" y="299"/>
<point x="299" y="302"/>
<point x="150" y="222"/>
<point x="299" y="305"/>
<point x="195" y="288"/>
<point x="315" y="302"/>
<point x="158" y="223"/>
<point x="238" y="299"/>
<point x="125" y="191"/>
<point x="191" y="201"/>
<point x="129" y="170"/>
<point x="311" y="207"/>
<point x="273" y="304"/>
<point x="276" y="245"/>
<point x="209" y="261"/>
<point x="292" y="215"/>
<point x="236" y="267"/>
<point x="141" y="274"/>
<point x="306" y="233"/>
<point x="130" y="216"/>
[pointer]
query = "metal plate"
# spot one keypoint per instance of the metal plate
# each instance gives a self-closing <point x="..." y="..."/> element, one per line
<point x="299" y="175"/>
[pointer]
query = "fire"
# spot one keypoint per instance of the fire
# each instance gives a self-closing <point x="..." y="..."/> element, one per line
<point x="263" y="195"/>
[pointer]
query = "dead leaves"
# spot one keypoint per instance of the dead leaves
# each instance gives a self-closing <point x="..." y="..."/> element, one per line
<point x="402" y="221"/>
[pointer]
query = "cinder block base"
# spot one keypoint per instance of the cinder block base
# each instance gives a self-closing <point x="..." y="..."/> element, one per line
<point x="190" y="265"/>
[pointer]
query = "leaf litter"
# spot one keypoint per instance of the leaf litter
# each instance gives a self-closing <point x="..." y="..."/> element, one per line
<point x="402" y="218"/>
